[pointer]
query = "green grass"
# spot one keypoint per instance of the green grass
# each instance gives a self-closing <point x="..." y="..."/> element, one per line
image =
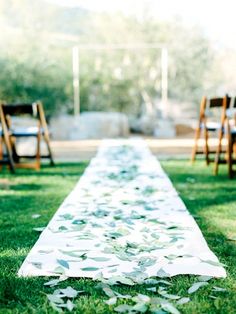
<point x="212" y="201"/>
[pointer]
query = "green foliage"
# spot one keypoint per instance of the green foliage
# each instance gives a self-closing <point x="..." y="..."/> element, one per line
<point x="35" y="77"/>
<point x="36" y="62"/>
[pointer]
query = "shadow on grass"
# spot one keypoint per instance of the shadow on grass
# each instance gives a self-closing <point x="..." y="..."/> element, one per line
<point x="16" y="233"/>
<point x="62" y="169"/>
<point x="16" y="215"/>
<point x="28" y="187"/>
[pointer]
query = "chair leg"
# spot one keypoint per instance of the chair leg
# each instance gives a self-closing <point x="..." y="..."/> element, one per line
<point x="195" y="147"/>
<point x="206" y="146"/>
<point x="230" y="162"/>
<point x="47" y="141"/>
<point x="38" y="161"/>
<point x="234" y="147"/>
<point x="1" y="151"/>
<point x="9" y="153"/>
<point x="5" y="139"/>
<point x="43" y="124"/>
<point x="218" y="153"/>
<point x="15" y="156"/>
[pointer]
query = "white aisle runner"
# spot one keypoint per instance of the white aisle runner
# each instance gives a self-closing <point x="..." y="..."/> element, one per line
<point x="124" y="217"/>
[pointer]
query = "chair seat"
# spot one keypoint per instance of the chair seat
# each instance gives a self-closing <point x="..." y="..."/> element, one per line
<point x="212" y="126"/>
<point x="24" y="132"/>
<point x="233" y="131"/>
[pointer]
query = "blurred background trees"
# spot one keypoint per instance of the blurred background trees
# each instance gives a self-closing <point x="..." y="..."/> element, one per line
<point x="35" y="58"/>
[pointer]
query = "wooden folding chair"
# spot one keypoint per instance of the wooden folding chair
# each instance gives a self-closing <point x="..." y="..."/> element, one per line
<point x="5" y="155"/>
<point x="230" y="121"/>
<point x="39" y="132"/>
<point x="205" y="126"/>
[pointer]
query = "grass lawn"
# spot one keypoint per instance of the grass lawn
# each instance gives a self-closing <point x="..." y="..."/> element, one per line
<point x="212" y="201"/>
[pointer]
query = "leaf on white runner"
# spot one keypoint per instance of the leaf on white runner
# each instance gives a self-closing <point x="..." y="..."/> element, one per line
<point x="196" y="286"/>
<point x="100" y="259"/>
<point x="45" y="251"/>
<point x="69" y="305"/>
<point x="63" y="263"/>
<point x="111" y="301"/>
<point x="56" y="307"/>
<point x="90" y="268"/>
<point x="219" y="289"/>
<point x="39" y="229"/>
<point x="170" y="308"/>
<point x="152" y="289"/>
<point x="120" y="279"/>
<point x="55" y="282"/>
<point x="35" y="216"/>
<point x="37" y="265"/>
<point x="213" y="263"/>
<point x="141" y="298"/>
<point x="59" y="270"/>
<point x="204" y="278"/>
<point x="183" y="301"/>
<point x="69" y="292"/>
<point x="140" y="307"/>
<point x="54" y="298"/>
<point x="161" y="273"/>
<point x="108" y="291"/>
<point x="123" y="308"/>
<point x="61" y="298"/>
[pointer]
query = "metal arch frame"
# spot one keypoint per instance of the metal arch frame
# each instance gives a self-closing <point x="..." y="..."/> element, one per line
<point x="76" y="67"/>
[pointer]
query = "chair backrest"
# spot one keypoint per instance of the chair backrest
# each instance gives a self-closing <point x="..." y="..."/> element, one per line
<point x="218" y="102"/>
<point x="2" y="119"/>
<point x="34" y="109"/>
<point x="234" y="102"/>
<point x="215" y="107"/>
<point x="21" y="109"/>
<point x="5" y="135"/>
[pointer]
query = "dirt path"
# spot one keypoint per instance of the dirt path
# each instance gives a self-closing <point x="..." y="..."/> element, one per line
<point x="86" y="149"/>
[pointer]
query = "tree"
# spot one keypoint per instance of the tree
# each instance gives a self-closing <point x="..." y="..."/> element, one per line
<point x="36" y="58"/>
